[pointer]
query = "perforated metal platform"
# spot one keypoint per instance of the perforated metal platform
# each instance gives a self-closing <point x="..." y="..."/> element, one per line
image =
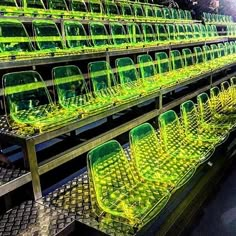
<point x="32" y="218"/>
<point x="7" y="174"/>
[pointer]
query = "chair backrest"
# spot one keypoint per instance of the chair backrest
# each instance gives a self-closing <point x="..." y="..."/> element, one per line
<point x="166" y="13"/>
<point x="161" y="32"/>
<point x="47" y="35"/>
<point x="188" y="57"/>
<point x="135" y="34"/>
<point x="204" y="107"/>
<point x="138" y="10"/>
<point x="126" y="10"/>
<point x="158" y="12"/>
<point x="101" y="75"/>
<point x="57" y="5"/>
<point x="119" y="35"/>
<point x="112" y="9"/>
<point x="148" y="32"/>
<point x="215" y="51"/>
<point x="79" y="7"/>
<point x="146" y="65"/>
<point x="176" y="60"/>
<point x="13" y="37"/>
<point x="196" y="31"/>
<point x="207" y="53"/>
<point x="149" y="13"/>
<point x="95" y="8"/>
<point x="199" y="54"/>
<point x="188" y="15"/>
<point x="174" y="13"/>
<point x="24" y="91"/>
<point x="171" y="30"/>
<point x="181" y="33"/>
<point x="189" y="31"/>
<point x="126" y="70"/>
<point x="69" y="83"/>
<point x="222" y="51"/>
<point x="203" y="31"/>
<point x="32" y="4"/>
<point x="76" y="36"/>
<point x="163" y="62"/>
<point x="99" y="34"/>
<point x="182" y="14"/>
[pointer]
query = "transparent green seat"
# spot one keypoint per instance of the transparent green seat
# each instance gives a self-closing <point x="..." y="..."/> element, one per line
<point x="162" y="35"/>
<point x="9" y="7"/>
<point x="177" y="65"/>
<point x="200" y="60"/>
<point x="128" y="76"/>
<point x="197" y="33"/>
<point x="228" y="98"/>
<point x="79" y="8"/>
<point x="188" y="32"/>
<point x="217" y="60"/>
<point x="207" y="54"/>
<point x="181" y="33"/>
<point x="47" y="36"/>
<point x="28" y="102"/>
<point x="105" y="85"/>
<point x="164" y="69"/>
<point x="208" y="120"/>
<point x="171" y="30"/>
<point x="188" y="15"/>
<point x="149" y="35"/>
<point x="193" y="129"/>
<point x="189" y="62"/>
<point x="14" y="39"/>
<point x="148" y="73"/>
<point x="182" y="14"/>
<point x="96" y="9"/>
<point x="76" y="36"/>
<point x="220" y="104"/>
<point x="119" y="191"/>
<point x="119" y="35"/>
<point x="149" y="13"/>
<point x="174" y="14"/>
<point x="174" y="141"/>
<point x="58" y="8"/>
<point x="73" y="93"/>
<point x="126" y="11"/>
<point x="135" y="35"/>
<point x="166" y="13"/>
<point x="138" y="11"/>
<point x="203" y="32"/>
<point x="158" y="13"/>
<point x="206" y="17"/>
<point x="32" y="7"/>
<point x="99" y="35"/>
<point x="152" y="163"/>
<point x="112" y="11"/>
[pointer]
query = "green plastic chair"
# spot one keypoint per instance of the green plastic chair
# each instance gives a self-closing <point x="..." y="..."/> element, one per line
<point x="9" y="8"/>
<point x="162" y="35"/>
<point x="174" y="140"/>
<point x="76" y="36"/>
<point x="28" y="102"/>
<point x="207" y="53"/>
<point x="138" y="11"/>
<point x="14" y="39"/>
<point x="166" y="13"/>
<point x="135" y="35"/>
<point x="99" y="35"/>
<point x="171" y="30"/>
<point x="175" y="14"/>
<point x="149" y="13"/>
<point x="58" y="8"/>
<point x="119" y="35"/>
<point x="158" y="13"/>
<point x="112" y="10"/>
<point x="208" y="120"/>
<point x="119" y="191"/>
<point x="73" y="93"/>
<point x="214" y="31"/>
<point x="188" y="15"/>
<point x="194" y="131"/>
<point x="163" y="62"/>
<point x="126" y="11"/>
<point x="128" y="76"/>
<point x="148" y="73"/>
<point x="149" y="35"/>
<point x="47" y="35"/>
<point x="199" y="55"/>
<point x="228" y="98"/>
<point x="96" y="9"/>
<point x="105" y="85"/>
<point x="79" y="8"/>
<point x="33" y="7"/>
<point x="203" y="31"/>
<point x="182" y="14"/>
<point x="176" y="60"/>
<point x="189" y="32"/>
<point x="220" y="102"/>
<point x="153" y="164"/>
<point x="181" y="33"/>
<point x="206" y="17"/>
<point x="197" y="32"/>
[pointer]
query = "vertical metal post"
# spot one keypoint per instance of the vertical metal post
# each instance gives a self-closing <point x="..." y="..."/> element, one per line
<point x="63" y="32"/>
<point x="31" y="156"/>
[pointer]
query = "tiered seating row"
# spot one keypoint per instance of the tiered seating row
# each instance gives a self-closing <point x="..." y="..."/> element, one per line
<point x="47" y="39"/>
<point x="95" y="9"/>
<point x="216" y="18"/>
<point x="135" y="189"/>
<point x="28" y="102"/>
